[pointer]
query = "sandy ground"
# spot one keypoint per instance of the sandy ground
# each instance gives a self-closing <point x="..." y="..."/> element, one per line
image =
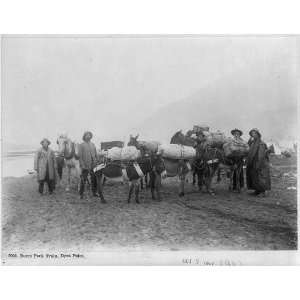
<point x="197" y="221"/>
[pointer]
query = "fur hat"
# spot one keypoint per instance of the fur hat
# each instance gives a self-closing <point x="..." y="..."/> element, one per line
<point x="256" y="130"/>
<point x="236" y="130"/>
<point x="86" y="133"/>
<point x="45" y="139"/>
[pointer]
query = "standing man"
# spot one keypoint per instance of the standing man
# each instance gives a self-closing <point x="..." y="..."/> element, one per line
<point x="88" y="159"/>
<point x="238" y="173"/>
<point x="258" y="169"/>
<point x="45" y="166"/>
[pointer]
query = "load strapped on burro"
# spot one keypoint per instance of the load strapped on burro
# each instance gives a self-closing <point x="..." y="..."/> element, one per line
<point x="130" y="164"/>
<point x="235" y="148"/>
<point x="215" y="151"/>
<point x="118" y="163"/>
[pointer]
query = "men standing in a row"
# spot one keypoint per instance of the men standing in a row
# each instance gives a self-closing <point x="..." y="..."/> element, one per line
<point x="45" y="166"/>
<point x="88" y="159"/>
<point x="258" y="169"/>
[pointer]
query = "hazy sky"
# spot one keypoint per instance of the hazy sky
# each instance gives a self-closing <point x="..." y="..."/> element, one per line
<point x="110" y="85"/>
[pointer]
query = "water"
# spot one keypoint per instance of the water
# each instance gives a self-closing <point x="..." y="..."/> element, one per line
<point x="17" y="165"/>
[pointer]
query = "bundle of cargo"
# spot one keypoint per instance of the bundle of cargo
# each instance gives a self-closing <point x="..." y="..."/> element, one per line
<point x="235" y="148"/>
<point x="175" y="151"/>
<point x="126" y="153"/>
<point x="150" y="146"/>
<point x="202" y="127"/>
<point x="215" y="139"/>
<point x="111" y="144"/>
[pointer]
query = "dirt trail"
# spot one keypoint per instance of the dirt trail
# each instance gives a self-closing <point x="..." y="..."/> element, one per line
<point x="197" y="221"/>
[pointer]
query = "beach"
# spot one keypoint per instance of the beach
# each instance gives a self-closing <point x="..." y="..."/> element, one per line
<point x="17" y="164"/>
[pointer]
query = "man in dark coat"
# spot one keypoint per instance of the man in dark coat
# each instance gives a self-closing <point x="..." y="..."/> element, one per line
<point x="258" y="169"/>
<point x="88" y="160"/>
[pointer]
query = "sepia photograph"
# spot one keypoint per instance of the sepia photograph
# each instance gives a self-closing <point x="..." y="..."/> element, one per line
<point x="149" y="149"/>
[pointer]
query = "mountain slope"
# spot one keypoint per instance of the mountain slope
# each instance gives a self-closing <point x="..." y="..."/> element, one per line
<point x="264" y="97"/>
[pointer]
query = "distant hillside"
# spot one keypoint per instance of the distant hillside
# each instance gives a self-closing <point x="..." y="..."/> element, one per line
<point x="8" y="147"/>
<point x="234" y="101"/>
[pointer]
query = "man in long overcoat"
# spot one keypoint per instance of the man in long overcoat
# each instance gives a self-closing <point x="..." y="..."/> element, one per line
<point x="258" y="169"/>
<point x="45" y="166"/>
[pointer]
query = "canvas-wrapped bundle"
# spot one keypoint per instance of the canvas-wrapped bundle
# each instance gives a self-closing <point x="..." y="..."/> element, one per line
<point x="175" y="151"/>
<point x="201" y="127"/>
<point x="236" y="148"/>
<point x="215" y="139"/>
<point x="150" y="146"/>
<point x="126" y="153"/>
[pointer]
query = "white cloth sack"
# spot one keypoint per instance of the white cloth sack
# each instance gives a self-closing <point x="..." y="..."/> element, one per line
<point x="126" y="153"/>
<point x="151" y="146"/>
<point x="175" y="151"/>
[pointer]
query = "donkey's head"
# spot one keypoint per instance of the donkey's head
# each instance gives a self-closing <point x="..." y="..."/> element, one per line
<point x="178" y="138"/>
<point x="271" y="149"/>
<point x="61" y="143"/>
<point x="133" y="141"/>
<point x="65" y="146"/>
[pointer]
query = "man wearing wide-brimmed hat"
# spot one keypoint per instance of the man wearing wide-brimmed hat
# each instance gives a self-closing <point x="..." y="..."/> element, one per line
<point x="45" y="166"/>
<point x="237" y="133"/>
<point x="258" y="169"/>
<point x="237" y="136"/>
<point x="88" y="160"/>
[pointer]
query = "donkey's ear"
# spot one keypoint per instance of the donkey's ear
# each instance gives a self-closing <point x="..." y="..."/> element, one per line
<point x="137" y="136"/>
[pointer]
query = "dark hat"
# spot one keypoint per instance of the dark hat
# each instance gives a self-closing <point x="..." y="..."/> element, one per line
<point x="236" y="130"/>
<point x="256" y="130"/>
<point x="86" y="133"/>
<point x="45" y="139"/>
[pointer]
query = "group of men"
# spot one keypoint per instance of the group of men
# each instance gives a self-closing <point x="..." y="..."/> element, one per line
<point x="257" y="172"/>
<point x="257" y="162"/>
<point x="46" y="166"/>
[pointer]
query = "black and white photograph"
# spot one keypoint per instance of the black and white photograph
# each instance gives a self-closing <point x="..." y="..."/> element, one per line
<point x="149" y="149"/>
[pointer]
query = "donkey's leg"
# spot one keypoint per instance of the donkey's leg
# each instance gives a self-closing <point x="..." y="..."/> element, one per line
<point x="78" y="173"/>
<point x="60" y="166"/>
<point x="194" y="177"/>
<point x="147" y="183"/>
<point x="181" y="185"/>
<point x="231" y="175"/>
<point x="137" y="191"/>
<point x="152" y="184"/>
<point x="68" y="178"/>
<point x="219" y="175"/>
<point x="131" y="187"/>
<point x="158" y="186"/>
<point x="142" y="182"/>
<point x="200" y="180"/>
<point x="238" y="178"/>
<point x="208" y="180"/>
<point x="100" y="186"/>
